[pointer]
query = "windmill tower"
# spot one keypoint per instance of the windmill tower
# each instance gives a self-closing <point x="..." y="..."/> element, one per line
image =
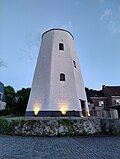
<point x="57" y="88"/>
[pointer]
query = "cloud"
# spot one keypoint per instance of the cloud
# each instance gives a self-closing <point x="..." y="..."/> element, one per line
<point x="107" y="13"/>
<point x="32" y="39"/>
<point x="31" y="47"/>
<point x="2" y="63"/>
<point x="114" y="26"/>
<point x="112" y="20"/>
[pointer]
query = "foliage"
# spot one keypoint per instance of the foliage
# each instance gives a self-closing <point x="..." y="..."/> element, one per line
<point x="10" y="97"/>
<point x="16" y="102"/>
<point x="5" y="112"/>
<point x="6" y="127"/>
<point x="22" y="100"/>
<point x="61" y="127"/>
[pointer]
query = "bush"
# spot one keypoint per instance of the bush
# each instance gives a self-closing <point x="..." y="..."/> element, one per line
<point x="4" y="112"/>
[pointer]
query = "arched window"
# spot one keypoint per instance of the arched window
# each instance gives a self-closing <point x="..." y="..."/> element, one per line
<point x="61" y="46"/>
<point x="62" y="77"/>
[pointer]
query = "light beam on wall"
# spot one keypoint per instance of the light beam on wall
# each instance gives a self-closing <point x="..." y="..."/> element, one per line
<point x="63" y="109"/>
<point x="88" y="114"/>
<point x="36" y="108"/>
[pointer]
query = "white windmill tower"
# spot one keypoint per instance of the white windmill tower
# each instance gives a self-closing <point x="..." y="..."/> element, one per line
<point x="57" y="87"/>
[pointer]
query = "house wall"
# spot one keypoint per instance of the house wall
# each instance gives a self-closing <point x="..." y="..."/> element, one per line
<point x="2" y="97"/>
<point x="96" y="100"/>
<point x="2" y="105"/>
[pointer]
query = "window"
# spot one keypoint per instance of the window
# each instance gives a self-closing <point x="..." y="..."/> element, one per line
<point x="117" y="101"/>
<point x="62" y="77"/>
<point x="61" y="46"/>
<point x="74" y="63"/>
<point x="101" y="103"/>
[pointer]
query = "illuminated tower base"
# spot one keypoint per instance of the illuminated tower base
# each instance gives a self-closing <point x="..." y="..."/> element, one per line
<point x="57" y="88"/>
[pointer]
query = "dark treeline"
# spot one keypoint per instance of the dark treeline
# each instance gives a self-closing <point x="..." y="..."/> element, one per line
<point x="16" y="102"/>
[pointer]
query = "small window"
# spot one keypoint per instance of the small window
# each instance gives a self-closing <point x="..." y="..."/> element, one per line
<point x="61" y="46"/>
<point x="62" y="77"/>
<point x="74" y="63"/>
<point x="117" y="101"/>
<point x="101" y="103"/>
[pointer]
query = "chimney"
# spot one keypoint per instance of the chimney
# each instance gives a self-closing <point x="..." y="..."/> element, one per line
<point x="103" y="87"/>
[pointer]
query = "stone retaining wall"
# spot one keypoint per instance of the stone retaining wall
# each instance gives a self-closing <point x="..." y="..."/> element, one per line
<point x="59" y="126"/>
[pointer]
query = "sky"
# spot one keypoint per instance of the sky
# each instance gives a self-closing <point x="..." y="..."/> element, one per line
<point x="95" y="25"/>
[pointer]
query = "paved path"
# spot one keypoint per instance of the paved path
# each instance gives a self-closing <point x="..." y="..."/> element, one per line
<point x="14" y="147"/>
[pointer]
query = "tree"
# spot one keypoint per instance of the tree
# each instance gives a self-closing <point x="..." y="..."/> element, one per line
<point x="10" y="97"/>
<point x="16" y="102"/>
<point x="22" y="100"/>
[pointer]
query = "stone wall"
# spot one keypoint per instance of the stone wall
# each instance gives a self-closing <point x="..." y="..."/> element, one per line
<point x="59" y="126"/>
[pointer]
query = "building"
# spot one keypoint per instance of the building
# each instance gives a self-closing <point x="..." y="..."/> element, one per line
<point x="113" y="95"/>
<point x="107" y="99"/>
<point x="57" y="88"/>
<point x="2" y="97"/>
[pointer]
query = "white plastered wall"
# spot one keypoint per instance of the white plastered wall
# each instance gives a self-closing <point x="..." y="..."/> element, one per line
<point x="48" y="92"/>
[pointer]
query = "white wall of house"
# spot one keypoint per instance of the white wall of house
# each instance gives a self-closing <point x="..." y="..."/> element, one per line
<point x="2" y="105"/>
